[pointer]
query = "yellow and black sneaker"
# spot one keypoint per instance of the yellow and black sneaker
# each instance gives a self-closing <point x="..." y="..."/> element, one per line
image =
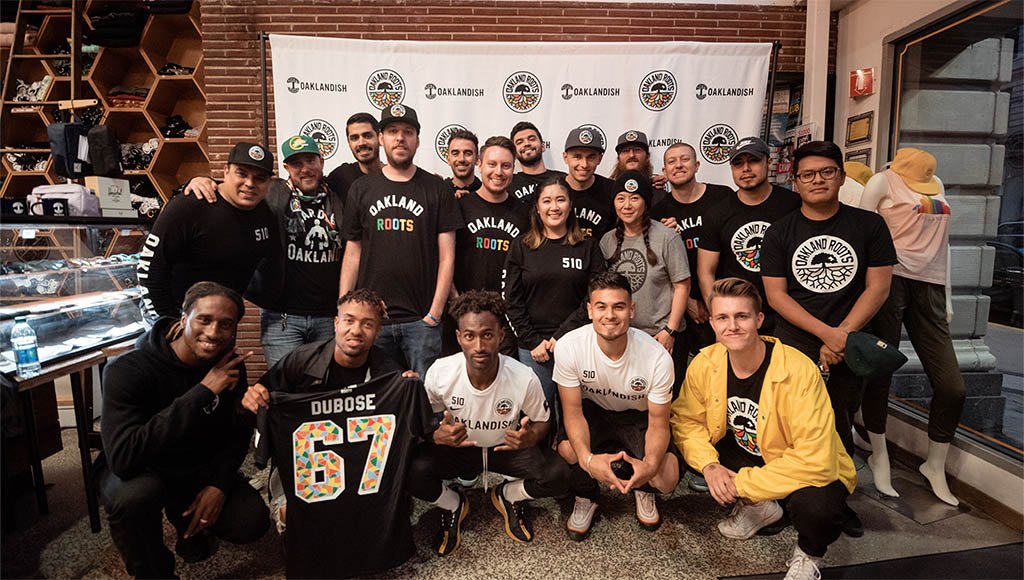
<point x="517" y="526"/>
<point x="450" y="532"/>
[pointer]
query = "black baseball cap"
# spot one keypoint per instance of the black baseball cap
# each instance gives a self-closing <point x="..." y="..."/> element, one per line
<point x="586" y="138"/>
<point x="399" y="114"/>
<point x="633" y="137"/>
<point x="253" y="155"/>
<point x="635" y="182"/>
<point x="869" y="356"/>
<point x="751" y="146"/>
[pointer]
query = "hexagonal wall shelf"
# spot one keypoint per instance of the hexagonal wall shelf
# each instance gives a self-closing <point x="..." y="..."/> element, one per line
<point x="177" y="96"/>
<point x="122" y="68"/>
<point x="177" y="162"/>
<point x="173" y="38"/>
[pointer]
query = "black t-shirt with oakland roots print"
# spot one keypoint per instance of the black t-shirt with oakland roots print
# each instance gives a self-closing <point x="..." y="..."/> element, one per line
<point x="397" y="224"/>
<point x="740" y="446"/>
<point x="481" y="246"/>
<point x="690" y="221"/>
<point x="593" y="206"/>
<point x="525" y="187"/>
<point x="825" y="263"/>
<point x="735" y="230"/>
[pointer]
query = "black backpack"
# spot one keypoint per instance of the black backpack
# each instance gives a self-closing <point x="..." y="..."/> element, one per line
<point x="104" y="152"/>
<point x="64" y="141"/>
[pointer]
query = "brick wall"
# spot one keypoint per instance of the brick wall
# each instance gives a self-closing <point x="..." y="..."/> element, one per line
<point x="231" y="48"/>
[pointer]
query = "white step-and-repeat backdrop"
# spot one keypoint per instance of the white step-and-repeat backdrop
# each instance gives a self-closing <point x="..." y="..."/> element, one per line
<point x="706" y="94"/>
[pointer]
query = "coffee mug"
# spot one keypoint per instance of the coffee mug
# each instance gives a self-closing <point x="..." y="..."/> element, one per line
<point x="13" y="206"/>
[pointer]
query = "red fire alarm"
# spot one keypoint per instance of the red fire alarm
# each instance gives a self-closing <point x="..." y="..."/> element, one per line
<point x="862" y="82"/>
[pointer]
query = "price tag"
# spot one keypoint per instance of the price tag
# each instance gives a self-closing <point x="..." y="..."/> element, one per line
<point x="28" y="234"/>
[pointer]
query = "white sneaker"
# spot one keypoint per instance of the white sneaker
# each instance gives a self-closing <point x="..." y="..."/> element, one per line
<point x="746" y="519"/>
<point x="802" y="566"/>
<point x="467" y="483"/>
<point x="647" y="510"/>
<point x="581" y="518"/>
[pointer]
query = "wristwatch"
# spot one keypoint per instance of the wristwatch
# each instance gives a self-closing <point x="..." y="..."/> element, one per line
<point x="672" y="333"/>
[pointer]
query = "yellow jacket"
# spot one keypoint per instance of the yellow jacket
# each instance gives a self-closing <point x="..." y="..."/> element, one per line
<point x="795" y="426"/>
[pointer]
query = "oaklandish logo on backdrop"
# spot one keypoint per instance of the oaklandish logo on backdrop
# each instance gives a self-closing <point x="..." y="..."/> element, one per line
<point x="433" y="91"/>
<point x="569" y="91"/>
<point x="324" y="134"/>
<point x="717" y="142"/>
<point x="658" y="90"/>
<point x="703" y="91"/>
<point x="295" y="85"/>
<point x="441" y="141"/>
<point x="522" y="91"/>
<point x="384" y="88"/>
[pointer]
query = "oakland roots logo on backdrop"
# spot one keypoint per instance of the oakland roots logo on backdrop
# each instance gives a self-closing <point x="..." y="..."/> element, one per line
<point x="295" y="85"/>
<point x="324" y="134"/>
<point x="658" y="90"/>
<point x="824" y="264"/>
<point x="433" y="91"/>
<point x="441" y="141"/>
<point x="596" y="133"/>
<point x="384" y="88"/>
<point x="522" y="91"/>
<point x="746" y="244"/>
<point x="717" y="142"/>
<point x="703" y="91"/>
<point x="569" y="91"/>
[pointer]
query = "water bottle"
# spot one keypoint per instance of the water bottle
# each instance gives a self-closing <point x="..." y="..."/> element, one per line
<point x="26" y="354"/>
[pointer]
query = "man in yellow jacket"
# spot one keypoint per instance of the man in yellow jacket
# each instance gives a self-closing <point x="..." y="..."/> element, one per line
<point x="754" y="417"/>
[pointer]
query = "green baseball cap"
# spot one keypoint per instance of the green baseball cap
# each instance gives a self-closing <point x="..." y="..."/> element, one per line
<point x="869" y="356"/>
<point x="299" y="144"/>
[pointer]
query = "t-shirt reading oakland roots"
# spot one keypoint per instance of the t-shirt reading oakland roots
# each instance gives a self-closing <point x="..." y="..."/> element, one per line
<point x="690" y="222"/>
<point x="193" y="240"/>
<point x="481" y="246"/>
<point x="525" y="186"/>
<point x="643" y="373"/>
<point x="739" y="447"/>
<point x="593" y="206"/>
<point x="489" y="412"/>
<point x="825" y="264"/>
<point x="735" y="230"/>
<point x="398" y="224"/>
<point x="343" y="457"/>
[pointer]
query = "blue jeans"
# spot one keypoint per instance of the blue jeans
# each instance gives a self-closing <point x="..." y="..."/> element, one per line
<point x="543" y="371"/>
<point x="414" y="342"/>
<point x="281" y="333"/>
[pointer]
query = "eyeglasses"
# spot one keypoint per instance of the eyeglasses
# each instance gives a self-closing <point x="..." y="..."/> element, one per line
<point x="828" y="174"/>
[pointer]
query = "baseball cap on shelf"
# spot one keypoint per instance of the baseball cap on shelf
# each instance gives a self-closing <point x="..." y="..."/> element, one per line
<point x="583" y="137"/>
<point x="299" y="144"/>
<point x="750" y="146"/>
<point x="917" y="168"/>
<point x="635" y="182"/>
<point x="633" y="137"/>
<point x="399" y="114"/>
<point x="253" y="155"/>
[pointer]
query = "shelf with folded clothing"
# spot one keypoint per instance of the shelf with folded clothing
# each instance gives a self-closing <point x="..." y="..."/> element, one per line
<point x="175" y="163"/>
<point x="122" y="78"/>
<point x="177" y="107"/>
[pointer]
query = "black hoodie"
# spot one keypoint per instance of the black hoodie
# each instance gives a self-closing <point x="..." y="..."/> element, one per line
<point x="159" y="418"/>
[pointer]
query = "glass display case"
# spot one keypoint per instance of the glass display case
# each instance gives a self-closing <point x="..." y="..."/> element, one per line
<point x="76" y="283"/>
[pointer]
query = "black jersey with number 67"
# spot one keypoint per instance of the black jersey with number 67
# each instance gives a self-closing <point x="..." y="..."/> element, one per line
<point x="342" y="456"/>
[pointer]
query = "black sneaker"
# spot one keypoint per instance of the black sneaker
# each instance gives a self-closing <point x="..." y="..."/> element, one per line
<point x="516" y="525"/>
<point x="853" y="527"/>
<point x="450" y="532"/>
<point x="194" y="549"/>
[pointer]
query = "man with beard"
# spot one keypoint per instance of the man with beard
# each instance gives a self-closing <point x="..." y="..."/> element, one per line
<point x="633" y="153"/>
<point x="685" y="209"/>
<point x="591" y="194"/>
<point x="173" y="438"/>
<point x="361" y="133"/>
<point x="733" y="230"/>
<point x="295" y="290"/>
<point x="462" y="158"/>
<point x="529" y="152"/>
<point x="400" y="225"/>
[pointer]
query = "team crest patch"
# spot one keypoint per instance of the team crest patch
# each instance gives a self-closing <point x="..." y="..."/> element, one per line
<point x="638" y="384"/>
<point x="586" y="138"/>
<point x="746" y="244"/>
<point x="597" y="132"/>
<point x="297" y="143"/>
<point x="632" y="136"/>
<point x="385" y="88"/>
<point x="441" y="141"/>
<point x="256" y="153"/>
<point x="658" y="90"/>
<point x="717" y="142"/>
<point x="324" y="134"/>
<point x="824" y="264"/>
<point x="522" y="91"/>
<point x="397" y="111"/>
<point x="503" y="407"/>
<point x="631" y="185"/>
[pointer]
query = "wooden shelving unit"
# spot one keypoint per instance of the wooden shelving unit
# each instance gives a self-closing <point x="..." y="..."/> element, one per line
<point x="166" y="38"/>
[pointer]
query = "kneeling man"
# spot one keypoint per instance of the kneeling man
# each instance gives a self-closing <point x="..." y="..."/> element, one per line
<point x="754" y="417"/>
<point x="495" y="417"/>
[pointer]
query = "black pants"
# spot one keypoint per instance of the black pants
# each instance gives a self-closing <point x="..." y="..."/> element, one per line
<point x="845" y="389"/>
<point x="680" y="359"/>
<point x="544" y="474"/>
<point x="136" y="524"/>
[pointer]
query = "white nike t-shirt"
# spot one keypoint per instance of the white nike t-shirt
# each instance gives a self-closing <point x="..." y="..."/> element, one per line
<point x="487" y="413"/>
<point x="643" y="373"/>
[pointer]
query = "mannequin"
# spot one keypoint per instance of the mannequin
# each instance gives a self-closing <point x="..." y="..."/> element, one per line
<point x="911" y="200"/>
